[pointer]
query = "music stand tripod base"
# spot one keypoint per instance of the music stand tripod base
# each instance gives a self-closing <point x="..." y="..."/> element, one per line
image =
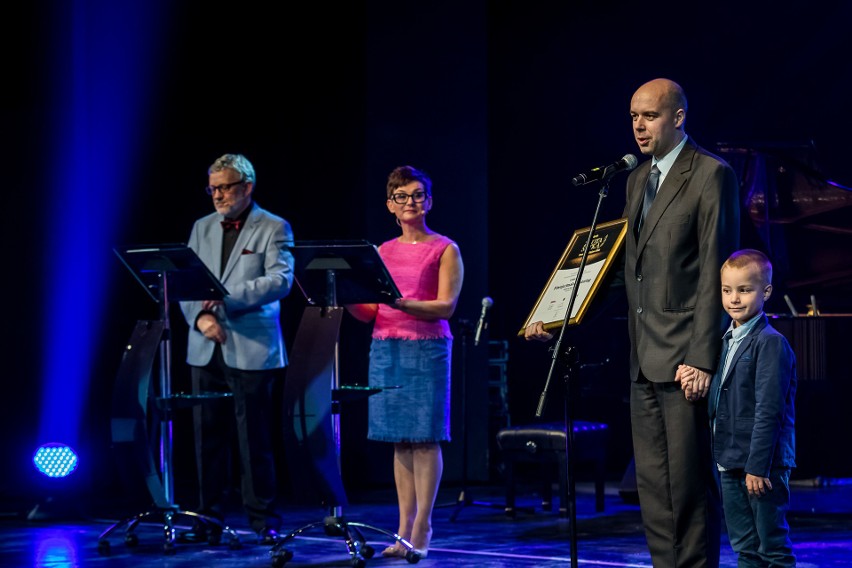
<point x="356" y="544"/>
<point x="165" y="516"/>
<point x="213" y="530"/>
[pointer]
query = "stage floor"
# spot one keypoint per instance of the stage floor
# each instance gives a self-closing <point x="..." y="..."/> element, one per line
<point x="481" y="535"/>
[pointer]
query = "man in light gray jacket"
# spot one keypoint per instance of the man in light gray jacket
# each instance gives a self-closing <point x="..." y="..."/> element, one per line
<point x="235" y="345"/>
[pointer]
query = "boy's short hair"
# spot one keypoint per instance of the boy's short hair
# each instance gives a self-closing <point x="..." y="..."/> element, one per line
<point x="744" y="257"/>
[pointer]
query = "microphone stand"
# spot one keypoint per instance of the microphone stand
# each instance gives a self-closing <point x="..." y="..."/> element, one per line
<point x="570" y="359"/>
<point x="464" y="499"/>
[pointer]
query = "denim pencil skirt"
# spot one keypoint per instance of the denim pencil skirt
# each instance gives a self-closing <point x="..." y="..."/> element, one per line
<point x="419" y="410"/>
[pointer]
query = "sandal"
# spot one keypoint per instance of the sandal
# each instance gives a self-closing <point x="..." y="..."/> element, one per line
<point x="394" y="551"/>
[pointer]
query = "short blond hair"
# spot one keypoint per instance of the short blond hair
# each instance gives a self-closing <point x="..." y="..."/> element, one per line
<point x="745" y="257"/>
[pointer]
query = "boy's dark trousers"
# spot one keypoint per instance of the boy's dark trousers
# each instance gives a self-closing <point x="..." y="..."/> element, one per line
<point x="757" y="525"/>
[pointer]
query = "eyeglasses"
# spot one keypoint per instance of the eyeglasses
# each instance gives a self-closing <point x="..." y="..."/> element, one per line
<point x="211" y="189"/>
<point x="402" y="198"/>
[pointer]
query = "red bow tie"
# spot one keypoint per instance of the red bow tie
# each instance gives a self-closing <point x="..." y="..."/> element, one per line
<point x="235" y="224"/>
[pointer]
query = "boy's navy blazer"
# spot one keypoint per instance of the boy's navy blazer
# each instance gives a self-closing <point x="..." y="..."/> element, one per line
<point x="753" y="404"/>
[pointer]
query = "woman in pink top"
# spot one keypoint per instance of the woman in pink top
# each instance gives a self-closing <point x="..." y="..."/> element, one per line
<point x="411" y="348"/>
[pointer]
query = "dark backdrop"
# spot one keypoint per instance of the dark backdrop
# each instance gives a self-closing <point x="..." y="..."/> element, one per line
<point x="502" y="103"/>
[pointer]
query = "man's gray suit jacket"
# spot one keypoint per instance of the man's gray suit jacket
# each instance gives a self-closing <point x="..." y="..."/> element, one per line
<point x="258" y="274"/>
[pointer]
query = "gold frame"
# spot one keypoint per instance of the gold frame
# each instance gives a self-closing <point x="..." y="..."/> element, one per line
<point x="606" y="243"/>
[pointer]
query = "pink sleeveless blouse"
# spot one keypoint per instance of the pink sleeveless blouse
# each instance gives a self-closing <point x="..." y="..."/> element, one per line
<point x="414" y="269"/>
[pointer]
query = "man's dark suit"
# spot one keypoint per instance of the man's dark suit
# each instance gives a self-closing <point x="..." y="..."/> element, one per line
<point x="675" y="316"/>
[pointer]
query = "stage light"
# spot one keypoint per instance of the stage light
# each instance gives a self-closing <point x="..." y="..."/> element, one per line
<point x="55" y="460"/>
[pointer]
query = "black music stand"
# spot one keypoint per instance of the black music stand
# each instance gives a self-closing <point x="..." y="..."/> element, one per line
<point x="167" y="272"/>
<point x="330" y="275"/>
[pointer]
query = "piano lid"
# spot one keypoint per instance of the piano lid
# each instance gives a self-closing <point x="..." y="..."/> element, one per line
<point x="792" y="211"/>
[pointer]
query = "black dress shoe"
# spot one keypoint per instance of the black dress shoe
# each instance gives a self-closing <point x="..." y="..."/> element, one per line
<point x="268" y="535"/>
<point x="196" y="534"/>
<point x="202" y="532"/>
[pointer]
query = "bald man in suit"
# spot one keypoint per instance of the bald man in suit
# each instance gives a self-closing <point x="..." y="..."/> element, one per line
<point x="671" y="274"/>
<point x="673" y="251"/>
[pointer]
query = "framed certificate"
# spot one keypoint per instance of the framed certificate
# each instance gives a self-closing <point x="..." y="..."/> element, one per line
<point x="552" y="303"/>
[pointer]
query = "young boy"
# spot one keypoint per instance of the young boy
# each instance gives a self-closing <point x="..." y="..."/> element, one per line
<point x="752" y="417"/>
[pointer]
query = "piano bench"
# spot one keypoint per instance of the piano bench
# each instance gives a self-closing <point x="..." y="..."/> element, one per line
<point x="545" y="443"/>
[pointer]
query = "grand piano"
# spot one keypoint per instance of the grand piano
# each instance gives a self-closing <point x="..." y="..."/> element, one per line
<point x="802" y="219"/>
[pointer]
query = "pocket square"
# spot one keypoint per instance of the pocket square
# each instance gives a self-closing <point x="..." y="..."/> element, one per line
<point x="247" y="251"/>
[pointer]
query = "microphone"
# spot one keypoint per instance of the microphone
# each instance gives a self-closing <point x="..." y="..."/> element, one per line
<point x="628" y="162"/>
<point x="482" y="324"/>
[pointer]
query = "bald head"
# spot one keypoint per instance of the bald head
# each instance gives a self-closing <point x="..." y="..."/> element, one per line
<point x="658" y="109"/>
<point x="666" y="91"/>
